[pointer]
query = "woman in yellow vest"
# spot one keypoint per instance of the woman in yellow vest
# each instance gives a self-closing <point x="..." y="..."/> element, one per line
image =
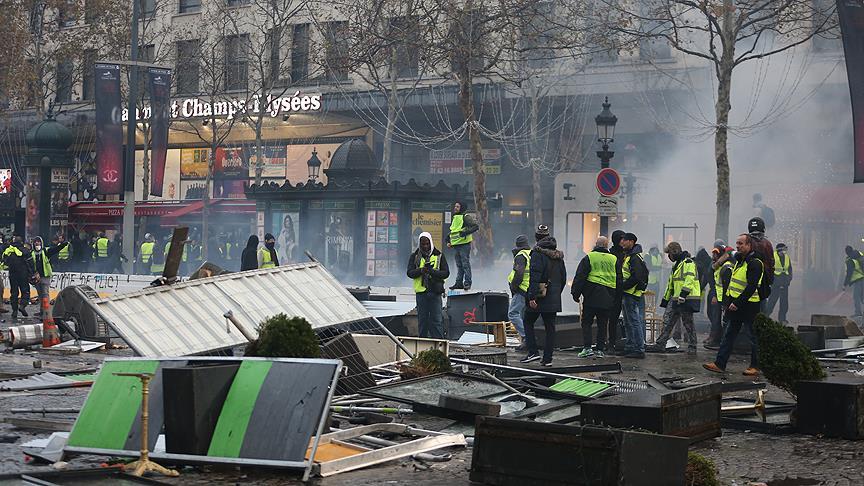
<point x="743" y="304"/>
<point x="428" y="270"/>
<point x="855" y="277"/>
<point x="267" y="257"/>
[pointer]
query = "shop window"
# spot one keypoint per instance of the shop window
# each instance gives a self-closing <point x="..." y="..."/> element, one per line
<point x="336" y="50"/>
<point x="64" y="82"/>
<point x="88" y="81"/>
<point x="188" y="6"/>
<point x="300" y="53"/>
<point x="187" y="69"/>
<point x="237" y="62"/>
<point x="406" y="58"/>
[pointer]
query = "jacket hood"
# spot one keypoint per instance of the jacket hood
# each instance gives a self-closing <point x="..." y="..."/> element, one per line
<point x="637" y="248"/>
<point x="431" y="241"/>
<point x="38" y="239"/>
<point x="549" y="247"/>
<point x="252" y="242"/>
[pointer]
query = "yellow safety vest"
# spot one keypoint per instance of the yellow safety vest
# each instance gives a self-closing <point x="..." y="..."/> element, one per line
<point x="46" y="265"/>
<point x="63" y="254"/>
<point x="10" y="250"/>
<point x="683" y="276"/>
<point x="455" y="228"/>
<point x="185" y="250"/>
<point x="526" y="277"/>
<point x="718" y="282"/>
<point x="603" y="269"/>
<point x="266" y="260"/>
<point x="102" y="247"/>
<point x="781" y="268"/>
<point x="418" y="282"/>
<point x="857" y="272"/>
<point x="227" y="251"/>
<point x="146" y="251"/>
<point x="655" y="262"/>
<point x="625" y="272"/>
<point x="739" y="282"/>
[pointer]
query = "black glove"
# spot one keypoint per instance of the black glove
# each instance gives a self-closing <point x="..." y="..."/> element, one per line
<point x="664" y="303"/>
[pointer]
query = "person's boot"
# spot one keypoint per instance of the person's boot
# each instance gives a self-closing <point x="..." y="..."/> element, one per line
<point x="23" y="310"/>
<point x="14" y="313"/>
<point x="457" y="286"/>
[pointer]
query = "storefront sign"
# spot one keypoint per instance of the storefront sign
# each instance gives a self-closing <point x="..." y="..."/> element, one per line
<point x="458" y="161"/>
<point x="273" y="106"/>
<point x="433" y="222"/>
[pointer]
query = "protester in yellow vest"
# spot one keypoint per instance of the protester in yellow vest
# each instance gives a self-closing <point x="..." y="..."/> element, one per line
<point x="518" y="283"/>
<point x="634" y="281"/>
<point x="721" y="266"/>
<point x="145" y="255"/>
<point x="427" y="268"/>
<point x="682" y="298"/>
<point x="42" y="263"/>
<point x="267" y="257"/>
<point x="459" y="238"/>
<point x="63" y="258"/>
<point x="855" y="277"/>
<point x="654" y="262"/>
<point x="19" y="261"/>
<point x="3" y="246"/>
<point x="100" y="253"/>
<point x="595" y="282"/>
<point x="782" y="281"/>
<point x="743" y="304"/>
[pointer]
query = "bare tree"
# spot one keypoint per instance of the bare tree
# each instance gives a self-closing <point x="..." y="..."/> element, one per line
<point x="727" y="35"/>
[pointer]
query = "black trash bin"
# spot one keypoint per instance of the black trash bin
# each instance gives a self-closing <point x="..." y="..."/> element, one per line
<point x="468" y="307"/>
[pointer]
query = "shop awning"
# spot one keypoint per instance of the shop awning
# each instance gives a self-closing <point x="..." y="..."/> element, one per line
<point x="838" y="203"/>
<point x="101" y="211"/>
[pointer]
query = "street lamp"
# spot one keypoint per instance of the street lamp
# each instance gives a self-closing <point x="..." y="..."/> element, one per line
<point x="605" y="134"/>
<point x="314" y="164"/>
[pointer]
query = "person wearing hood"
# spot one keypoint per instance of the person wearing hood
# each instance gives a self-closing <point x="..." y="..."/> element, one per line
<point x="249" y="257"/>
<point x="267" y="257"/>
<point x="595" y="282"/>
<point x="721" y="270"/>
<point x="619" y="252"/>
<point x="683" y="297"/>
<point x="428" y="269"/>
<point x="547" y="278"/>
<point x="19" y="260"/>
<point x="855" y="277"/>
<point x="42" y="262"/>
<point x="634" y="281"/>
<point x="654" y="263"/>
<point x="462" y="226"/>
<point x="518" y="281"/>
<point x="743" y="305"/>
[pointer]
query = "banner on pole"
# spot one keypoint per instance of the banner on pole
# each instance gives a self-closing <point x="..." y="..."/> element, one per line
<point x="160" y="101"/>
<point x="109" y="132"/>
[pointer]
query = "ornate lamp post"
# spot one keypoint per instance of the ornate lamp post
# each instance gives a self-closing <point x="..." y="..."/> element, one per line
<point x="314" y="164"/>
<point x="605" y="135"/>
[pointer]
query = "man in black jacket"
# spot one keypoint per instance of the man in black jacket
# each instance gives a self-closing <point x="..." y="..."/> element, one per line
<point x="42" y="263"/>
<point x="20" y="263"/>
<point x="546" y="268"/>
<point x="595" y="282"/>
<point x="619" y="252"/>
<point x="744" y="304"/>
<point x="634" y="282"/>
<point x="428" y="268"/>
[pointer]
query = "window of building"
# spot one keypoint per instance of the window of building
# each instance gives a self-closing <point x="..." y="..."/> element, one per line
<point x="336" y="52"/>
<point x="300" y="53"/>
<point x="537" y="36"/>
<point x="188" y="66"/>
<point x="237" y="62"/>
<point x="146" y="53"/>
<point x="67" y="13"/>
<point x="238" y="3"/>
<point x="187" y="6"/>
<point x="88" y="77"/>
<point x="406" y="59"/>
<point x="64" y="82"/>
<point x="276" y="52"/>
<point x="148" y="8"/>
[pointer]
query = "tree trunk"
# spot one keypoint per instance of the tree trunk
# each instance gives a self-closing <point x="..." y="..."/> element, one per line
<point x="145" y="179"/>
<point x="205" y="207"/>
<point x="483" y="242"/>
<point x="391" y="118"/>
<point x="259" y="149"/>
<point x="535" y="161"/>
<point x="722" y="108"/>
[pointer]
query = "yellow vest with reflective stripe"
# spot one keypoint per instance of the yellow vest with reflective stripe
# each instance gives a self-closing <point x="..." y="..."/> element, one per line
<point x="625" y="272"/>
<point x="655" y="262"/>
<point x="146" y="251"/>
<point x="523" y="285"/>
<point x="683" y="276"/>
<point x="102" y="247"/>
<point x="456" y="226"/>
<point x="227" y="255"/>
<point x="418" y="282"/>
<point x="602" y="269"/>
<point x="781" y="268"/>
<point x="739" y="282"/>
<point x="168" y="248"/>
<point x="46" y="265"/>
<point x="266" y="259"/>
<point x="63" y="254"/>
<point x="857" y="272"/>
<point x="718" y="283"/>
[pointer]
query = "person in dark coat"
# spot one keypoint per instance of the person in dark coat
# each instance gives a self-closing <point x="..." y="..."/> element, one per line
<point x="596" y="286"/>
<point x="249" y="258"/>
<point x="619" y="252"/>
<point x="19" y="260"/>
<point x="546" y="267"/>
<point x="427" y="268"/>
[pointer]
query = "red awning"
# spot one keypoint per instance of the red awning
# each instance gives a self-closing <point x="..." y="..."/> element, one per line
<point x="838" y="201"/>
<point x="84" y="211"/>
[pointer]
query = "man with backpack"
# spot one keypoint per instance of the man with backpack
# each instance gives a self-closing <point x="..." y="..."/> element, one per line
<point x="855" y="277"/>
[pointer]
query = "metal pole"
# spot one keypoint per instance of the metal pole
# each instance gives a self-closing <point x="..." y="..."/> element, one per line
<point x="131" y="128"/>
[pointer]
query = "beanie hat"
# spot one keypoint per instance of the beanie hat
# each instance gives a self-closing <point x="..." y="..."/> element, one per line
<point x="720" y="244"/>
<point x="522" y="242"/>
<point x="542" y="231"/>
<point x="781" y="246"/>
<point x="616" y="236"/>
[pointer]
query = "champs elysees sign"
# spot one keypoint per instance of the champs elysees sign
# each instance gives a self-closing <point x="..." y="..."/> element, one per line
<point x="230" y="108"/>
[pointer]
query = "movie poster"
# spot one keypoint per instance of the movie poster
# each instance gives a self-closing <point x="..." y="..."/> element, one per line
<point x="194" y="163"/>
<point x="34" y="192"/>
<point x="170" y="180"/>
<point x="160" y="101"/>
<point x="286" y="229"/>
<point x="109" y="132"/>
<point x="5" y="181"/>
<point x="272" y="161"/>
<point x="851" y="14"/>
<point x="339" y="247"/>
<point x="297" y="157"/>
<point x="229" y="163"/>
<point x="59" y="215"/>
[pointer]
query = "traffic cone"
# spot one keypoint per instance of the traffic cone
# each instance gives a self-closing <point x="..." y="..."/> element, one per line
<point x="50" y="335"/>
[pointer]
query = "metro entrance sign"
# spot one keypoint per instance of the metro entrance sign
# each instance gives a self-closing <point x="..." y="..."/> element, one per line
<point x="608" y="182"/>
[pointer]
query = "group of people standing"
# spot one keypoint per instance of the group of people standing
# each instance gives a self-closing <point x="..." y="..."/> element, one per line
<point x="28" y="263"/>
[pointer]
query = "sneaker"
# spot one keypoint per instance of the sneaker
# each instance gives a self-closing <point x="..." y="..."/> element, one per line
<point x="599" y="354"/>
<point x="585" y="353"/>
<point x="751" y="372"/>
<point x="531" y="357"/>
<point x="713" y="367"/>
<point x="457" y="287"/>
<point x="546" y="364"/>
